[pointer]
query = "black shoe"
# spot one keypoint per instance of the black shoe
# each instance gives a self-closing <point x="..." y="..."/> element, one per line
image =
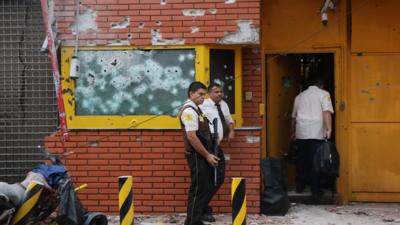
<point x="208" y="218"/>
<point x="300" y="188"/>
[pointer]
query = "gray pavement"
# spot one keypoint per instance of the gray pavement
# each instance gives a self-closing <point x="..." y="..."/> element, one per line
<point x="350" y="214"/>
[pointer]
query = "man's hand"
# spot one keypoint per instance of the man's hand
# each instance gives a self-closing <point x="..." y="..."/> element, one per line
<point x="328" y="124"/>
<point x="212" y="159"/>
<point x="328" y="133"/>
<point x="293" y="136"/>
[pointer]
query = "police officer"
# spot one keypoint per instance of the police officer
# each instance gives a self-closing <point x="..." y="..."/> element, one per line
<point x="197" y="140"/>
<point x="216" y="107"/>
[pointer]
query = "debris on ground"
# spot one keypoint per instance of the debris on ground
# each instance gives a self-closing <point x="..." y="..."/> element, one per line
<point x="299" y="214"/>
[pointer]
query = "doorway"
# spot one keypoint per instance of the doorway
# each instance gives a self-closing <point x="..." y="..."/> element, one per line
<point x="287" y="76"/>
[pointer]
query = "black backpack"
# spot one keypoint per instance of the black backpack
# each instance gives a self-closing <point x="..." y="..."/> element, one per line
<point x="326" y="160"/>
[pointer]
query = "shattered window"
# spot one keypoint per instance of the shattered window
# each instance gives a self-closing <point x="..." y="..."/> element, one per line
<point x="222" y="72"/>
<point x="133" y="82"/>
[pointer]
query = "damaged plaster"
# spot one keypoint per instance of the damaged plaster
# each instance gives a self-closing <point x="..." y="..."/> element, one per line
<point x="156" y="39"/>
<point x="212" y="11"/>
<point x="230" y="1"/>
<point x="193" y="12"/>
<point x="252" y="139"/>
<point x="86" y="22"/>
<point x="245" y="34"/>
<point x="195" y="29"/>
<point x="119" y="42"/>
<point x="126" y="21"/>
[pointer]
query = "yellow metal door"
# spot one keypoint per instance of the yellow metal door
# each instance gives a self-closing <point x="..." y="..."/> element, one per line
<point x="283" y="78"/>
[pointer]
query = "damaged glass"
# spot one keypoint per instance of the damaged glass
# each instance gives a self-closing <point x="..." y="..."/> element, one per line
<point x="133" y="82"/>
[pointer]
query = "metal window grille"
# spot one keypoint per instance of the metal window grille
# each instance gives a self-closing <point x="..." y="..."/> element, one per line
<point x="28" y="110"/>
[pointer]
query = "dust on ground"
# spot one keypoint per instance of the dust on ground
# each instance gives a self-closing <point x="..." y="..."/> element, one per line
<point x="299" y="214"/>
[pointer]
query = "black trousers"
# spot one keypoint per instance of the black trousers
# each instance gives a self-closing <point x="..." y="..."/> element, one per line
<point x="220" y="180"/>
<point x="200" y="188"/>
<point x="305" y="173"/>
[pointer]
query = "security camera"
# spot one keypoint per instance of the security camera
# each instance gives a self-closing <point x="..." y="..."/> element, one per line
<point x="324" y="18"/>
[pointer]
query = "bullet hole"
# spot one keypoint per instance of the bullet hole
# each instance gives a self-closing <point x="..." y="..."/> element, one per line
<point x="141" y="25"/>
<point x="129" y="37"/>
<point x="104" y="71"/>
<point x="163" y="2"/>
<point x="158" y="23"/>
<point x="114" y="63"/>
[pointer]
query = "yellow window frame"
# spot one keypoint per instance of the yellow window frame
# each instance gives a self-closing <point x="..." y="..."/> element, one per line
<point x="202" y="71"/>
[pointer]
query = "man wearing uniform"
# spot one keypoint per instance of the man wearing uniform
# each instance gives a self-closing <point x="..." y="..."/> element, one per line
<point x="311" y="124"/>
<point x="215" y="107"/>
<point x="197" y="140"/>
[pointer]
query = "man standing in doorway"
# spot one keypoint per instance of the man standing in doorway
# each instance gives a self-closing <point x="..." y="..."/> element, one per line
<point x="215" y="107"/>
<point x="197" y="140"/>
<point x="311" y="124"/>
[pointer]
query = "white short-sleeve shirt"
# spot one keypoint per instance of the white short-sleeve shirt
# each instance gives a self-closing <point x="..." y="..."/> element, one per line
<point x="210" y="111"/>
<point x="308" y="111"/>
<point x="189" y="117"/>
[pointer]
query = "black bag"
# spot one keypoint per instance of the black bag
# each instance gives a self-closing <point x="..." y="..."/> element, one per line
<point x="275" y="200"/>
<point x="326" y="160"/>
<point x="70" y="211"/>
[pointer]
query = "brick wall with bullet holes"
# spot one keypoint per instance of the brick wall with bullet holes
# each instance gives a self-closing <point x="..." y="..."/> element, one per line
<point x="155" y="158"/>
<point x="146" y="22"/>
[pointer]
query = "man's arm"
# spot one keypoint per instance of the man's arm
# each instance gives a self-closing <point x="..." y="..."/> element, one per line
<point x="328" y="123"/>
<point x="231" y="135"/>
<point x="293" y="129"/>
<point x="198" y="146"/>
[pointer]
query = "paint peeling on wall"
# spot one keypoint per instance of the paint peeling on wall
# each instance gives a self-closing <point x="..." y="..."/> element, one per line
<point x="156" y="39"/>
<point x="91" y="43"/>
<point x="119" y="42"/>
<point x="245" y="34"/>
<point x="193" y="12"/>
<point x="86" y="22"/>
<point x="134" y="82"/>
<point x="252" y="139"/>
<point x="195" y="29"/>
<point x="213" y="11"/>
<point x="122" y="24"/>
<point x="230" y="1"/>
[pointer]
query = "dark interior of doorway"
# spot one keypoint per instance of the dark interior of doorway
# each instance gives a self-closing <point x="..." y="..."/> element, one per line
<point x="321" y="64"/>
<point x="302" y="66"/>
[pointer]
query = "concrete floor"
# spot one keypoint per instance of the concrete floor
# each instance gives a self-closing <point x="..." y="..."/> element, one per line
<point x="350" y="214"/>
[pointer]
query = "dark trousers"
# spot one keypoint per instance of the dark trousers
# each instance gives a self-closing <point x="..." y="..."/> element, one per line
<point x="200" y="187"/>
<point x="220" y="180"/>
<point x="305" y="173"/>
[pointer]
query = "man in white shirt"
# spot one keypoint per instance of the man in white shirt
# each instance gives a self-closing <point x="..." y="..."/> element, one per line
<point x="215" y="107"/>
<point x="311" y="124"/>
<point x="197" y="141"/>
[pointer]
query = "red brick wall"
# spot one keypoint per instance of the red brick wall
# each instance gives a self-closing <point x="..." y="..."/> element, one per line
<point x="156" y="161"/>
<point x="251" y="72"/>
<point x="173" y="23"/>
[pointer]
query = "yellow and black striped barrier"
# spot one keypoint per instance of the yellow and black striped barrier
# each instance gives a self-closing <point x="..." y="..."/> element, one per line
<point x="30" y="199"/>
<point x="125" y="200"/>
<point x="238" y="198"/>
